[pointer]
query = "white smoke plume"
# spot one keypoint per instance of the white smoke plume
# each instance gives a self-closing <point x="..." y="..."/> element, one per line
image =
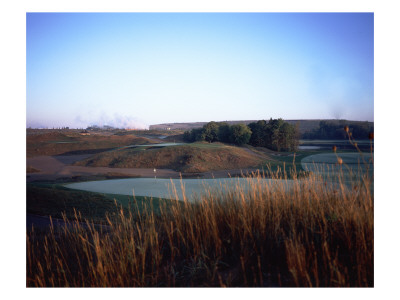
<point x="117" y="121"/>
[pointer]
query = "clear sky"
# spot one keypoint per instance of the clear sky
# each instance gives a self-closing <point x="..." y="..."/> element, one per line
<point x="138" y="69"/>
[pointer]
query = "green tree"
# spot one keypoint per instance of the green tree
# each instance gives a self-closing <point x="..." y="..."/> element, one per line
<point x="210" y="132"/>
<point x="287" y="137"/>
<point x="224" y="132"/>
<point x="258" y="133"/>
<point x="187" y="136"/>
<point x="240" y="134"/>
<point x="273" y="136"/>
<point x="197" y="134"/>
<point x="276" y="135"/>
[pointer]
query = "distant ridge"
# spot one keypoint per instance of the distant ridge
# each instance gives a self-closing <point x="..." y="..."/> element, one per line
<point x="304" y="125"/>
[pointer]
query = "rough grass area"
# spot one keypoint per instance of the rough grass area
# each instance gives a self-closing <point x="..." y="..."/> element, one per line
<point x="30" y="169"/>
<point x="54" y="143"/>
<point x="196" y="157"/>
<point x="47" y="200"/>
<point x="56" y="201"/>
<point x="313" y="235"/>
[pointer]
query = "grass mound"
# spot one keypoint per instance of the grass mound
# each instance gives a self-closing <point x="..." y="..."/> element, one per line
<point x="196" y="157"/>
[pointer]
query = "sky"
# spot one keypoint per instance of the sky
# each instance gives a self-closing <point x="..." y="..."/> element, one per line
<point x="132" y="70"/>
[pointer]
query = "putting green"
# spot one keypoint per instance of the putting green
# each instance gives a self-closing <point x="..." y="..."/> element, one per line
<point x="352" y="164"/>
<point x="164" y="188"/>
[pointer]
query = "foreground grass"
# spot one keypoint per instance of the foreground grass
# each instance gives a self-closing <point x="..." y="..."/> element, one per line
<point x="314" y="234"/>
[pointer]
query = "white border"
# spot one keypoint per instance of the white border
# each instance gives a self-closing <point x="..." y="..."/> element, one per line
<point x="12" y="24"/>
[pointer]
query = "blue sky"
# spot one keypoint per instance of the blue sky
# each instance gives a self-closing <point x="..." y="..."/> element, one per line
<point x="137" y="69"/>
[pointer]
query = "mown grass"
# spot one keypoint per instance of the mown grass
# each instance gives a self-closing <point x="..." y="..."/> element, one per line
<point x="312" y="234"/>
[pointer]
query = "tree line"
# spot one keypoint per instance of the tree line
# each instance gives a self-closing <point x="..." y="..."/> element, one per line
<point x="334" y="131"/>
<point x="275" y="134"/>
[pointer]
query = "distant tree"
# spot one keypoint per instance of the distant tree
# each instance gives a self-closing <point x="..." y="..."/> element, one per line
<point x="334" y="131"/>
<point x="193" y="135"/>
<point x="197" y="134"/>
<point x="295" y="138"/>
<point x="288" y="137"/>
<point x="240" y="134"/>
<point x="224" y="132"/>
<point x="210" y="132"/>
<point x="258" y="133"/>
<point x="361" y="131"/>
<point x="274" y="138"/>
<point x="276" y="135"/>
<point x="187" y="136"/>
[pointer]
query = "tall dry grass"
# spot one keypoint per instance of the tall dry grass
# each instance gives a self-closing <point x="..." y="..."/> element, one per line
<point x="301" y="232"/>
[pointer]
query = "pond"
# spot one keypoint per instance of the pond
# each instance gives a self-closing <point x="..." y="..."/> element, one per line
<point x="164" y="188"/>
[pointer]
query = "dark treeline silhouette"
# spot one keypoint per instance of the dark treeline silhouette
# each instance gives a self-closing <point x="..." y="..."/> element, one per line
<point x="334" y="131"/>
<point x="275" y="134"/>
<point x="238" y="134"/>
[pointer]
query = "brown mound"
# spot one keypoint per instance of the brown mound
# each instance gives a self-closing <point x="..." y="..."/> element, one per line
<point x="30" y="169"/>
<point x="55" y="143"/>
<point x="188" y="158"/>
<point x="47" y="136"/>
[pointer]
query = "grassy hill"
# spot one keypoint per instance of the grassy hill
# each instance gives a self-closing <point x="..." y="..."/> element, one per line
<point x="196" y="157"/>
<point x="73" y="142"/>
